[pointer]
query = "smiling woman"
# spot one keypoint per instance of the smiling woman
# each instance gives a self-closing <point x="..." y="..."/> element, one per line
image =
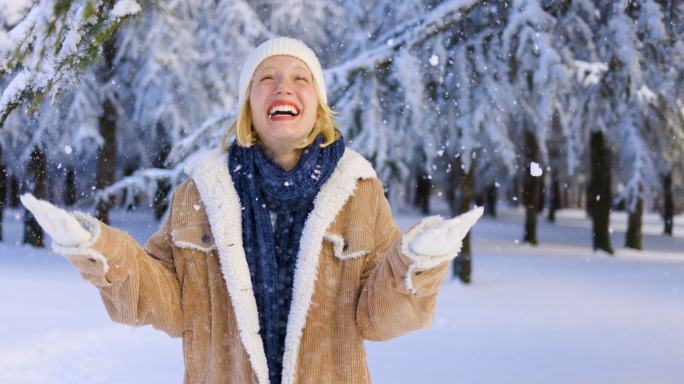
<point x="279" y="254"/>
<point x="275" y="75"/>
<point x="283" y="104"/>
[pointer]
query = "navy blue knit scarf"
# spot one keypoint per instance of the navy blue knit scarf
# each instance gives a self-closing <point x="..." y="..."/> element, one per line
<point x="264" y="187"/>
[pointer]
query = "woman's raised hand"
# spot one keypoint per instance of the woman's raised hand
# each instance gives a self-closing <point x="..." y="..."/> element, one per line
<point x="444" y="239"/>
<point x="62" y="227"/>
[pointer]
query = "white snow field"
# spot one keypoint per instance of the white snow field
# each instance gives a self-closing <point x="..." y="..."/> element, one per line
<point x="555" y="313"/>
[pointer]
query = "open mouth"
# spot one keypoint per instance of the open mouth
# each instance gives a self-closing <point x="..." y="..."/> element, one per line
<point x="283" y="111"/>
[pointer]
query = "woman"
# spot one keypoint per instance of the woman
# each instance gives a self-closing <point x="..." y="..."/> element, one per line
<point x="279" y="254"/>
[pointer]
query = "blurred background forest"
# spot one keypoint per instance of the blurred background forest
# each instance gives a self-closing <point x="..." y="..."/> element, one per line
<point x="564" y="118"/>
<point x="541" y="104"/>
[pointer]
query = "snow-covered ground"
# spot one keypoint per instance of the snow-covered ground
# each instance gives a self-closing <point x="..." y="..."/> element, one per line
<point x="556" y="313"/>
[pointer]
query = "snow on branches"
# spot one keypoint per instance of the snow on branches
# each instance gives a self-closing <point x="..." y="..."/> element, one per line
<point x="55" y="40"/>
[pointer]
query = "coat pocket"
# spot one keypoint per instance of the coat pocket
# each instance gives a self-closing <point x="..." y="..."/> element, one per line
<point x="196" y="237"/>
<point x="345" y="250"/>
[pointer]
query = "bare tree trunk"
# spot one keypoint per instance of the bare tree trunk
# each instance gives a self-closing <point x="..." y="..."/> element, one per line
<point x="106" y="159"/>
<point x="514" y="197"/>
<point x="541" y="202"/>
<point x="14" y="192"/>
<point x="668" y="208"/>
<point x="531" y="189"/>
<point x="132" y="202"/>
<point x="3" y="191"/>
<point x="161" y="197"/>
<point x="69" y="187"/>
<point x="554" y="201"/>
<point x="490" y="200"/>
<point x="37" y="172"/>
<point x="423" y="191"/>
<point x="633" y="235"/>
<point x="599" y="196"/>
<point x="463" y="181"/>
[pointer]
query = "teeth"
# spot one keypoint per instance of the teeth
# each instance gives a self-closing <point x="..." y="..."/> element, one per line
<point x="283" y="108"/>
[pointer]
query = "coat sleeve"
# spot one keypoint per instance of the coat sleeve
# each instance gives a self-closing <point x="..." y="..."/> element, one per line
<point x="396" y="296"/>
<point x="138" y="285"/>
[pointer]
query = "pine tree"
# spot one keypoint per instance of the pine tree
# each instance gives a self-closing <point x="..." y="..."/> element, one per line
<point x="52" y="43"/>
<point x="37" y="171"/>
<point x="3" y="190"/>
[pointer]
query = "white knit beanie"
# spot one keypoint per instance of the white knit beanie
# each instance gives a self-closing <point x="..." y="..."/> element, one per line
<point x="281" y="46"/>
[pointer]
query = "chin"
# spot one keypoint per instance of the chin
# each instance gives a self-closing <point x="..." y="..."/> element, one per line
<point x="282" y="138"/>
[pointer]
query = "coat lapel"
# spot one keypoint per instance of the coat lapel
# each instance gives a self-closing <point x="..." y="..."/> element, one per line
<point x="209" y="171"/>
<point x="329" y="201"/>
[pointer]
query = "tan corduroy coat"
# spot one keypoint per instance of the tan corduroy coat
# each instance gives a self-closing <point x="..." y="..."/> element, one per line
<point x="355" y="279"/>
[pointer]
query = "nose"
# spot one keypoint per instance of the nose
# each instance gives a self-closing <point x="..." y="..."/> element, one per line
<point x="283" y="88"/>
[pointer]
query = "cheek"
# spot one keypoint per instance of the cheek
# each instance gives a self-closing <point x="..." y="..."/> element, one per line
<point x="254" y="110"/>
<point x="311" y="101"/>
<point x="258" y="94"/>
<point x="256" y="104"/>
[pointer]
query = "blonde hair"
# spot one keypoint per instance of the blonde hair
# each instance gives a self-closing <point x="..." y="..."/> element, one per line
<point x="246" y="135"/>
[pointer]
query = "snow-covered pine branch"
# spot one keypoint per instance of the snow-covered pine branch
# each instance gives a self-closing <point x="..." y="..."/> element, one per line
<point x="407" y="35"/>
<point x="538" y="74"/>
<point x="142" y="182"/>
<point x="424" y="27"/>
<point x="53" y="42"/>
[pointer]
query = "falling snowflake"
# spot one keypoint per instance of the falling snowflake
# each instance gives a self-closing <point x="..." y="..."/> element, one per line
<point x="535" y="169"/>
<point x="434" y="60"/>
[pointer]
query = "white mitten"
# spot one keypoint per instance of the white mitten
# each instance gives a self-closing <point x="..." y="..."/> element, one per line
<point x="64" y="229"/>
<point x="443" y="240"/>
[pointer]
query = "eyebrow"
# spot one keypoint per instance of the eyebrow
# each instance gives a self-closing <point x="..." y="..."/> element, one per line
<point x="296" y="66"/>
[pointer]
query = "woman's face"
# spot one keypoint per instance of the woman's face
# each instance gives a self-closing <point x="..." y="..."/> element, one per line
<point x="283" y="102"/>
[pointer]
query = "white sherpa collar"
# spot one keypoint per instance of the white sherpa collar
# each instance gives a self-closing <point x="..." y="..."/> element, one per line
<point x="210" y="173"/>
